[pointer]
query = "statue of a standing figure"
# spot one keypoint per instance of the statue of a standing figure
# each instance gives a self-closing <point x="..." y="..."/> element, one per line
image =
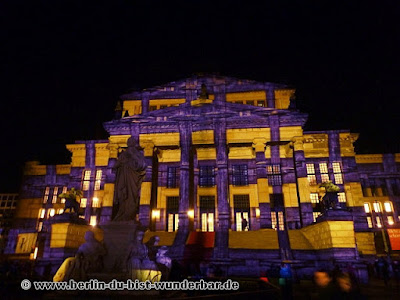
<point x="130" y="170"/>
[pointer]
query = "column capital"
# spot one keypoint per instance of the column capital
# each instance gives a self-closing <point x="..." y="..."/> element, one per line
<point x="297" y="142"/>
<point x="148" y="147"/>
<point x="259" y="144"/>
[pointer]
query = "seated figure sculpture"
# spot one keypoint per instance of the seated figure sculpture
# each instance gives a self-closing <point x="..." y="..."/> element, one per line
<point x="138" y="263"/>
<point x="88" y="259"/>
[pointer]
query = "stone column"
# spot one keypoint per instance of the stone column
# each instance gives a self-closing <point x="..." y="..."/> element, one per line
<point x="90" y="165"/>
<point x="302" y="184"/>
<point x="222" y="228"/>
<point x="185" y="136"/>
<point x="270" y="97"/>
<point x="145" y="102"/>
<point x="259" y="145"/>
<point x="145" y="191"/>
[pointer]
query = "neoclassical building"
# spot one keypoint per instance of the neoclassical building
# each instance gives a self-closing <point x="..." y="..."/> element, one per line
<point x="221" y="150"/>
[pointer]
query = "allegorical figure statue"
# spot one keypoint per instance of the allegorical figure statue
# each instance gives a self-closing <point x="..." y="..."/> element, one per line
<point x="130" y="170"/>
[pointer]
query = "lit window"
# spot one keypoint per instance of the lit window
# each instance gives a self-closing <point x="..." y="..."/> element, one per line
<point x="323" y="168"/>
<point x="378" y="222"/>
<point x="46" y="194"/>
<point x="42" y="213"/>
<point x="173" y="222"/>
<point x="314" y="197"/>
<point x="52" y="212"/>
<point x="40" y="226"/>
<point x="86" y="180"/>
<point x="261" y="103"/>
<point x="311" y="174"/>
<point x="377" y="207"/>
<point x="310" y="169"/>
<point x="93" y="220"/>
<point x="96" y="202"/>
<point x="337" y="170"/>
<point x="315" y="215"/>
<point x="274" y="175"/>
<point x="367" y="208"/>
<point x="98" y="180"/>
<point x="273" y="219"/>
<point x="369" y="220"/>
<point x="342" y="197"/>
<point x="60" y="211"/>
<point x="83" y="202"/>
<point x="207" y="222"/>
<point x="388" y="206"/>
<point x="64" y="191"/>
<point x="55" y="191"/>
<point x="281" y="222"/>
<point x="390" y="220"/>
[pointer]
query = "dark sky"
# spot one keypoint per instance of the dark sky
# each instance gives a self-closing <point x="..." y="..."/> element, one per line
<point x="64" y="64"/>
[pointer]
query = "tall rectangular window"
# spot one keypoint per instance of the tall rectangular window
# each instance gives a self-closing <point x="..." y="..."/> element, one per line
<point x="55" y="192"/>
<point x="240" y="175"/>
<point x="315" y="215"/>
<point x="241" y="206"/>
<point x="93" y="220"/>
<point x="206" y="176"/>
<point x="274" y="174"/>
<point x="173" y="177"/>
<point x="86" y="180"/>
<point x="83" y="202"/>
<point x="64" y="190"/>
<point x="323" y="169"/>
<point x="369" y="221"/>
<point x="311" y="174"/>
<point x="314" y="198"/>
<point x="390" y="220"/>
<point x="42" y="213"/>
<point x="172" y="213"/>
<point x="97" y="183"/>
<point x="207" y="212"/>
<point x="281" y="221"/>
<point x="377" y="207"/>
<point x="367" y="208"/>
<point x="388" y="206"/>
<point x="378" y="222"/>
<point x="337" y="173"/>
<point x="46" y="194"/>
<point x="342" y="197"/>
<point x="273" y="219"/>
<point x="96" y="202"/>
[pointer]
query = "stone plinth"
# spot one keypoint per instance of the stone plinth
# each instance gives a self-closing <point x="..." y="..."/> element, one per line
<point x="335" y="215"/>
<point x="118" y="236"/>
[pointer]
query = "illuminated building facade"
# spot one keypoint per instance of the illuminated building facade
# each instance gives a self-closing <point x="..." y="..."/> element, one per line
<point x="220" y="150"/>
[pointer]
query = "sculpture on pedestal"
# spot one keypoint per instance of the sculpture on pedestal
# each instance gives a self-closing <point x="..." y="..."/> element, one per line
<point x="330" y="199"/>
<point x="139" y="264"/>
<point x="130" y="170"/>
<point x="88" y="259"/>
<point x="71" y="200"/>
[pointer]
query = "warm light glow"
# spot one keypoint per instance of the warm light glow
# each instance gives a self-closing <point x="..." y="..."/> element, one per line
<point x="93" y="220"/>
<point x="155" y="214"/>
<point x="366" y="208"/>
<point x="83" y="202"/>
<point x="377" y="207"/>
<point x="390" y="220"/>
<point x="388" y="207"/>
<point x="257" y="212"/>
<point x="52" y="212"/>
<point x="378" y="222"/>
<point x="95" y="202"/>
<point x="60" y="211"/>
<point x="35" y="253"/>
<point x="42" y="212"/>
<point x="191" y="213"/>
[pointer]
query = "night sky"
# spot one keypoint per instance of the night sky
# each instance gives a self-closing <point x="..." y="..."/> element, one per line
<point x="65" y="64"/>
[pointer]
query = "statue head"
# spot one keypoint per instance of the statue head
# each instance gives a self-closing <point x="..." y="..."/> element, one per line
<point x="89" y="236"/>
<point x="139" y="236"/>
<point x="131" y="142"/>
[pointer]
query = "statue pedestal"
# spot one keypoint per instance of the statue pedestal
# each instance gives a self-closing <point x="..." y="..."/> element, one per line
<point x="118" y="236"/>
<point x="335" y="215"/>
